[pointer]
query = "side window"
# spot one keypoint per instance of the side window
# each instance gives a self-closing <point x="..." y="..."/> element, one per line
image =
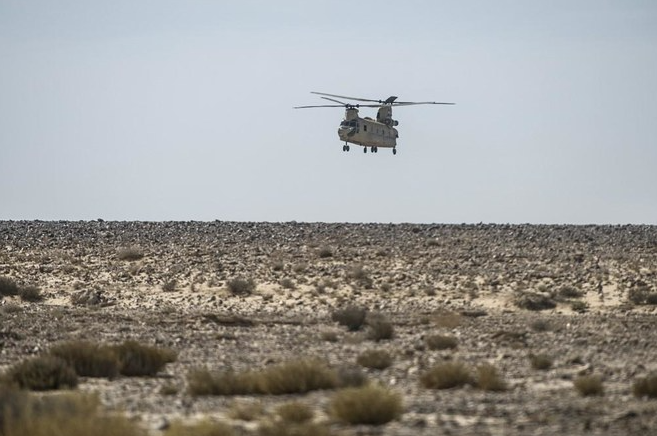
<point x="365" y="127"/>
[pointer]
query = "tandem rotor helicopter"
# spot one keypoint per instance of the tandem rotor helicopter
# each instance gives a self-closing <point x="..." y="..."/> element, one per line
<point x="367" y="132"/>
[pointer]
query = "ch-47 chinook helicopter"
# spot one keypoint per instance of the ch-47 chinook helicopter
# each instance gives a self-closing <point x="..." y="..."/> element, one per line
<point x="368" y="132"/>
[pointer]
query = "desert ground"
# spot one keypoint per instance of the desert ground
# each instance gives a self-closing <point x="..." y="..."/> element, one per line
<point x="583" y="296"/>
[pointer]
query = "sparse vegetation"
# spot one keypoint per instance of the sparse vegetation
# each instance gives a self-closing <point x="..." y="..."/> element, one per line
<point x="325" y="252"/>
<point x="74" y="415"/>
<point x="287" y="283"/>
<point x="371" y="405"/>
<point x="534" y="301"/>
<point x="130" y="253"/>
<point x="447" y="375"/>
<point x="579" y="306"/>
<point x="246" y="411"/>
<point x="295" y="411"/>
<point x="8" y="286"/>
<point x="295" y="377"/>
<point x="137" y="360"/>
<point x="352" y="317"/>
<point x="589" y="385"/>
<point x="375" y="359"/>
<point x="646" y="386"/>
<point x="88" y="359"/>
<point x="379" y="328"/>
<point x="359" y="275"/>
<point x="541" y="362"/>
<point x="31" y="294"/>
<point x="43" y="373"/>
<point x="489" y="379"/>
<point x="568" y="291"/>
<point x="241" y="286"/>
<point x="203" y="428"/>
<point x="441" y="342"/>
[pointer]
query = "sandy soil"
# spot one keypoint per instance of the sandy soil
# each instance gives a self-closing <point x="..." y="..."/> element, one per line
<point x="459" y="280"/>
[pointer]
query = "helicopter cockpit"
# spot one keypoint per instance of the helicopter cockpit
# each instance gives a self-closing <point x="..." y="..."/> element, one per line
<point x="347" y="123"/>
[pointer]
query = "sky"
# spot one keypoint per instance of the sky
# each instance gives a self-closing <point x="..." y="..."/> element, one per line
<point x="164" y="110"/>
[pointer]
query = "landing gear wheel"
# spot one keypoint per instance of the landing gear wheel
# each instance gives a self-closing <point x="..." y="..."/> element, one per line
<point x="344" y="148"/>
<point x="364" y="149"/>
<point x="394" y="151"/>
<point x="347" y="147"/>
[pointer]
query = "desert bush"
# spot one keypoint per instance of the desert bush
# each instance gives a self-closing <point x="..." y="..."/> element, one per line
<point x="447" y="375"/>
<point x="287" y="283"/>
<point x="489" y="379"/>
<point x="59" y="415"/>
<point x="541" y="325"/>
<point x="379" y="328"/>
<point x="579" y="306"/>
<point x="241" y="286"/>
<point x="169" y="389"/>
<point x="295" y="411"/>
<point x="360" y="276"/>
<point x="646" y="386"/>
<point x="285" y="428"/>
<point x="300" y="267"/>
<point x="136" y="360"/>
<point x="325" y="252"/>
<point x="534" y="301"/>
<point x="169" y="285"/>
<point x="8" y="286"/>
<point x="349" y="377"/>
<point x="246" y="411"/>
<point x="293" y="377"/>
<point x="30" y="294"/>
<point x="568" y="291"/>
<point x="329" y="335"/>
<point x="589" y="385"/>
<point x="447" y="319"/>
<point x="352" y="317"/>
<point x="441" y="342"/>
<point x="88" y="359"/>
<point x="371" y="405"/>
<point x="374" y="359"/>
<point x="651" y="298"/>
<point x="203" y="428"/>
<point x="43" y="373"/>
<point x="130" y="253"/>
<point x="541" y="362"/>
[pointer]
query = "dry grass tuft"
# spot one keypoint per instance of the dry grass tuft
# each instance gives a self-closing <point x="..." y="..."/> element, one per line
<point x="352" y="317"/>
<point x="541" y="362"/>
<point x="137" y="360"/>
<point x="130" y="253"/>
<point x="295" y="411"/>
<point x="31" y="294"/>
<point x="489" y="379"/>
<point x="646" y="386"/>
<point x="374" y="359"/>
<point x="8" y="287"/>
<point x="70" y="415"/>
<point x="246" y="411"/>
<point x="534" y="301"/>
<point x="447" y="319"/>
<point x="295" y="377"/>
<point x="203" y="428"/>
<point x="446" y="376"/>
<point x="43" y="373"/>
<point x="379" y="328"/>
<point x="241" y="286"/>
<point x="589" y="385"/>
<point x="371" y="405"/>
<point x="88" y="359"/>
<point x="441" y="342"/>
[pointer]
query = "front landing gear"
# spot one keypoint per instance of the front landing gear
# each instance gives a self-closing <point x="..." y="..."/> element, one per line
<point x="345" y="147"/>
<point x="394" y="150"/>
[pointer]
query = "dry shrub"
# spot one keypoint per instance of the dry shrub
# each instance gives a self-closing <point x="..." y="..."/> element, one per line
<point x="246" y="411"/>
<point x="88" y="359"/>
<point x="68" y="415"/>
<point x="568" y="291"/>
<point x="371" y="405"/>
<point x="130" y="253"/>
<point x="203" y="428"/>
<point x="352" y="317"/>
<point x="379" y="328"/>
<point x="293" y="377"/>
<point x="447" y="319"/>
<point x="360" y="276"/>
<point x="329" y="335"/>
<point x="541" y="325"/>
<point x="295" y="411"/>
<point x="589" y="385"/>
<point x="646" y="386"/>
<point x="441" y="342"/>
<point x="136" y="360"/>
<point x="489" y="379"/>
<point x="285" y="428"/>
<point x="241" y="286"/>
<point x="31" y="294"/>
<point x="349" y="376"/>
<point x="447" y="375"/>
<point x="374" y="359"/>
<point x="534" y="301"/>
<point x="8" y="287"/>
<point x="541" y="362"/>
<point x="43" y="373"/>
<point x="325" y="252"/>
<point x="287" y="283"/>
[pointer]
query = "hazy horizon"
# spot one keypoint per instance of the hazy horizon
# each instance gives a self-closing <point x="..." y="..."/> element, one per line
<point x="169" y="111"/>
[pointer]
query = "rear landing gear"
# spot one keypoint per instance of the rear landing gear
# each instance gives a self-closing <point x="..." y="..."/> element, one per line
<point x="345" y="147"/>
<point x="394" y="151"/>
<point x="364" y="149"/>
<point x="375" y="149"/>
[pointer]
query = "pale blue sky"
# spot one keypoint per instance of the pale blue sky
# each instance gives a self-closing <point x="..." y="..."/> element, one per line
<point x="182" y="110"/>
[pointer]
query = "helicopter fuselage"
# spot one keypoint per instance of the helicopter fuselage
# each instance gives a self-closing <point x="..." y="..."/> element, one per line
<point x="366" y="131"/>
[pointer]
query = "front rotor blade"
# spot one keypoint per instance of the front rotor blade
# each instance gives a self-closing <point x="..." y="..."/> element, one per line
<point x="410" y="103"/>
<point x="348" y="98"/>
<point x="335" y="101"/>
<point x="322" y="105"/>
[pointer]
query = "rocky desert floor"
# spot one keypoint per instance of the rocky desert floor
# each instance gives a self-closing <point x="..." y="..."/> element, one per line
<point x="580" y="295"/>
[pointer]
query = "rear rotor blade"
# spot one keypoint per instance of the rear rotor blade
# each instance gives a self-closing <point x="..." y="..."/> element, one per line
<point x="322" y="105"/>
<point x="335" y="101"/>
<point x="411" y="103"/>
<point x="348" y="98"/>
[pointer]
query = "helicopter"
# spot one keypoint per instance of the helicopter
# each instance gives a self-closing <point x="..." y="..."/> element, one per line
<point x="367" y="132"/>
